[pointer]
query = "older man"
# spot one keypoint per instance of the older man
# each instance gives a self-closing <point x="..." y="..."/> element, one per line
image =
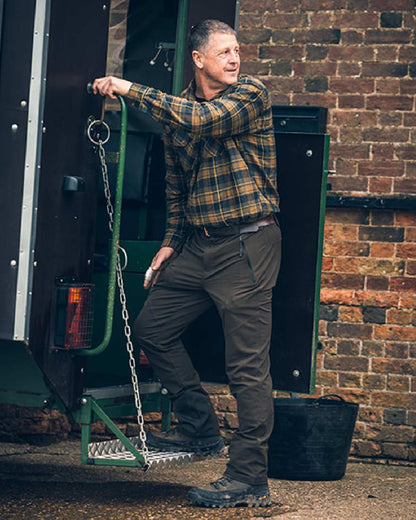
<point x="222" y="248"/>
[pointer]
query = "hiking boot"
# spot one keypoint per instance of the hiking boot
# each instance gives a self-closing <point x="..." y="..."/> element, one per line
<point x="227" y="492"/>
<point x="174" y="440"/>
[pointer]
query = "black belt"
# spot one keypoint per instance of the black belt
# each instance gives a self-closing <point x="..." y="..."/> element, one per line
<point x="236" y="229"/>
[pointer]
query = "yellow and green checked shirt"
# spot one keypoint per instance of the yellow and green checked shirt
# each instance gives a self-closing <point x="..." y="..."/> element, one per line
<point x="220" y="156"/>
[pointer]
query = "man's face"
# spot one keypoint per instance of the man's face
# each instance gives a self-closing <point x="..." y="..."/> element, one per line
<point x="219" y="60"/>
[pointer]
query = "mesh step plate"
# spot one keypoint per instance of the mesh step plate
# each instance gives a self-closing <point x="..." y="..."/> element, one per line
<point x="115" y="450"/>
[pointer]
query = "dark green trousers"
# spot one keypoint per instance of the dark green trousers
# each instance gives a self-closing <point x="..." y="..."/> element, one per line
<point x="236" y="273"/>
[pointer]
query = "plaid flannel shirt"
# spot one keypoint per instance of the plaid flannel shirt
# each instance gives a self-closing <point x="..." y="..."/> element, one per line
<point x="220" y="156"/>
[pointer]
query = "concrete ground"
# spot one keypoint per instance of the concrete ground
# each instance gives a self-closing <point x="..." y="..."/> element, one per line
<point x="49" y="483"/>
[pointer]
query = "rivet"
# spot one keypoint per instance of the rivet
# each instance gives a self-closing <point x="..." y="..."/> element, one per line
<point x="309" y="153"/>
<point x="13" y="263"/>
<point x="15" y="127"/>
<point x="296" y="373"/>
<point x="23" y="103"/>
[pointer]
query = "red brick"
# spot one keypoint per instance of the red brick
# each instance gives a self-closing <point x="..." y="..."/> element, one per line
<point x="349" y="37"/>
<point x="388" y="36"/>
<point x="384" y="102"/>
<point x="349" y="69"/>
<point x="340" y="232"/>
<point x="377" y="299"/>
<point x="255" y="5"/>
<point x="249" y="51"/>
<point x="342" y="281"/>
<point x="405" y="186"/>
<point x="391" y="118"/>
<point x="370" y="414"/>
<point x="355" y="118"/>
<point x="364" y="448"/>
<point x="350" y="380"/>
<point x="346" y="167"/>
<point x="350" y="330"/>
<point x="406" y="151"/>
<point x="387" y="53"/>
<point x="408" y="301"/>
<point x="392" y="332"/>
<point x="351" y="101"/>
<point x="289" y="20"/>
<point x="382" y="151"/>
<point x="281" y="52"/>
<point x="406" y="53"/>
<point x="326" y="5"/>
<point x="392" y="433"/>
<point x="321" y="19"/>
<point x="346" y="248"/>
<point x="386" y="5"/>
<point x="284" y="5"/>
<point x="374" y="381"/>
<point x="323" y="100"/>
<point x="327" y="378"/>
<point x="354" y="53"/>
<point x="408" y="86"/>
<point x="386" y="134"/>
<point x="384" y="186"/>
<point x="410" y="234"/>
<point x="351" y="86"/>
<point x="248" y="20"/>
<point x="406" y="218"/>
<point x="387" y="86"/>
<point x="394" y="450"/>
<point x="350" y="315"/>
<point x="382" y="249"/>
<point x="398" y="383"/>
<point x="401" y="283"/>
<point x="410" y="119"/>
<point x="254" y="35"/>
<point x="359" y="151"/>
<point x="393" y="399"/>
<point x="327" y="264"/>
<point x="254" y="68"/>
<point x="405" y="250"/>
<point x="315" y="69"/>
<point x="336" y="296"/>
<point x="350" y="135"/>
<point x="396" y="349"/>
<point x="356" y="20"/>
<point x="377" y="283"/>
<point x="411" y="267"/>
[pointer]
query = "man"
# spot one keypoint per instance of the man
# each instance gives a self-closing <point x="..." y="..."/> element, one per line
<point x="222" y="248"/>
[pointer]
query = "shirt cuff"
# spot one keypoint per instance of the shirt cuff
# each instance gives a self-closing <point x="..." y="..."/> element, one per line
<point x="137" y="93"/>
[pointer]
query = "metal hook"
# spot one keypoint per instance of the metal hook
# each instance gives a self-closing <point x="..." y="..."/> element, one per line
<point x="156" y="56"/>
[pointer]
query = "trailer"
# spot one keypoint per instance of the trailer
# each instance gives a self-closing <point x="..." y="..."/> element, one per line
<point x="83" y="213"/>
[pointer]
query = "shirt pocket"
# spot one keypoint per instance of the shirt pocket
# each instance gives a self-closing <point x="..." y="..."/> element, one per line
<point x="211" y="147"/>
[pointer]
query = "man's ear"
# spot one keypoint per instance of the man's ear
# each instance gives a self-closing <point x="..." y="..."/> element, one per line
<point x="197" y="59"/>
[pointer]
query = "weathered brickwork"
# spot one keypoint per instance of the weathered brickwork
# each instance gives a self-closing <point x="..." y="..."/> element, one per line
<point x="357" y="58"/>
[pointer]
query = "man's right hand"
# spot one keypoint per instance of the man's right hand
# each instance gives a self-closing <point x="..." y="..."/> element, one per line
<point x="158" y="263"/>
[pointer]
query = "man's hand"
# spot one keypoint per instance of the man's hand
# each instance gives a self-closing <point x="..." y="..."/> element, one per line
<point x="110" y="86"/>
<point x="158" y="263"/>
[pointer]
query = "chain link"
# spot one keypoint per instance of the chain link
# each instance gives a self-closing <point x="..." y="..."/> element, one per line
<point x="124" y="311"/>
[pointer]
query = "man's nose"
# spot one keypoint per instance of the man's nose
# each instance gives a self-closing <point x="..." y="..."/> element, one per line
<point x="234" y="56"/>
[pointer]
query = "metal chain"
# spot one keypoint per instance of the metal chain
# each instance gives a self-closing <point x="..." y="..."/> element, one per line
<point x="124" y="311"/>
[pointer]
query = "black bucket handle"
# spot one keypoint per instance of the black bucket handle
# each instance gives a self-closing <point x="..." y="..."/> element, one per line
<point x="317" y="401"/>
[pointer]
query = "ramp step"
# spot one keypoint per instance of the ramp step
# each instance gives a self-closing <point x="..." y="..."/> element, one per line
<point x="114" y="450"/>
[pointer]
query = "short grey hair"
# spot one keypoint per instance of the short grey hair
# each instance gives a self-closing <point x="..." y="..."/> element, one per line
<point x="201" y="32"/>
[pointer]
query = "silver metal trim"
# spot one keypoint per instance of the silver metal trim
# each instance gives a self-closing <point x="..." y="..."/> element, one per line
<point x="32" y="169"/>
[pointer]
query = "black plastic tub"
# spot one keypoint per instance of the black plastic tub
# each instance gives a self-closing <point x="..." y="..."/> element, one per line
<point x="311" y="438"/>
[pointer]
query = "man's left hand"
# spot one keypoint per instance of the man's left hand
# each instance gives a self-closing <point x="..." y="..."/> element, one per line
<point x="110" y="86"/>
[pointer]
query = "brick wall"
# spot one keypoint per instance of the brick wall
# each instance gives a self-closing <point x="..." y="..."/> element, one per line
<point x="356" y="57"/>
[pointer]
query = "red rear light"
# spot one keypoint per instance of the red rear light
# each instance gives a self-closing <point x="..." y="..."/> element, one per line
<point x="74" y="316"/>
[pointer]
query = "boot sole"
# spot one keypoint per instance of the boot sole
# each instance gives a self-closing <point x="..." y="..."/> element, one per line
<point x="248" y="501"/>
